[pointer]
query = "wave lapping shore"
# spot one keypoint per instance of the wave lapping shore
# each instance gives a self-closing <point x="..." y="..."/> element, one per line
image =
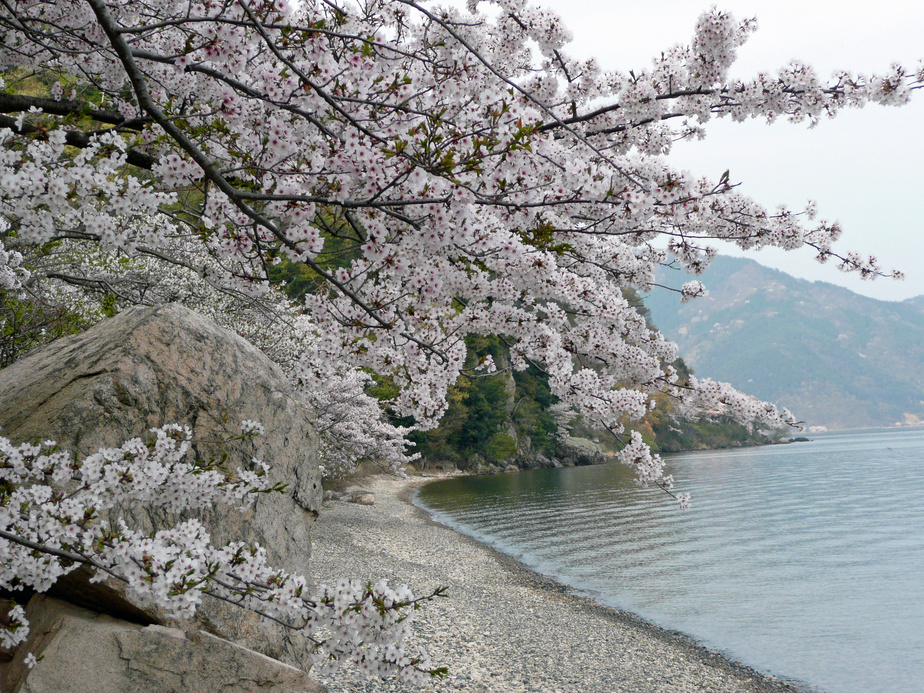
<point x="505" y="628"/>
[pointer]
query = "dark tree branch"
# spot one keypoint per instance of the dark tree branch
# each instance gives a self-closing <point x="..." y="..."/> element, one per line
<point x="17" y="103"/>
<point x="77" y="138"/>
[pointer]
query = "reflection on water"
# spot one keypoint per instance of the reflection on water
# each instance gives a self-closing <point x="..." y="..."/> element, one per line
<point x="805" y="560"/>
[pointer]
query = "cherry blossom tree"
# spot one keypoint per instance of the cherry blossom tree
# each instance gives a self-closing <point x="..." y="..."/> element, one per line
<point x="480" y="180"/>
<point x="441" y="171"/>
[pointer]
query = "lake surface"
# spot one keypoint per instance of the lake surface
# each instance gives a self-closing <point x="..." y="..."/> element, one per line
<point x="804" y="560"/>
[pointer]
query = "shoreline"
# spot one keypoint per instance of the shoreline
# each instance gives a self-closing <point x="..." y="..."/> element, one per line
<point x="626" y="618"/>
<point x="506" y="627"/>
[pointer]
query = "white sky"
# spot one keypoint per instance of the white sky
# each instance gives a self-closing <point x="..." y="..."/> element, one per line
<point x="864" y="169"/>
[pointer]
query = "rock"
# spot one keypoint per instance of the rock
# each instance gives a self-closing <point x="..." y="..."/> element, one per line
<point x="525" y="456"/>
<point x="475" y="463"/>
<point x="151" y="366"/>
<point x="511" y="469"/>
<point x="352" y="494"/>
<point x="81" y="651"/>
<point x="363" y="499"/>
<point x="580" y="451"/>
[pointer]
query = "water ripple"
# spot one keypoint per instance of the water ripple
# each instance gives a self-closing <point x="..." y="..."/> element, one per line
<point x="804" y="560"/>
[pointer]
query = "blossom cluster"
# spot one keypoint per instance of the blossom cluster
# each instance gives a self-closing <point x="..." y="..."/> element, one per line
<point x="52" y="499"/>
<point x="350" y="423"/>
<point x="52" y="510"/>
<point x="11" y="271"/>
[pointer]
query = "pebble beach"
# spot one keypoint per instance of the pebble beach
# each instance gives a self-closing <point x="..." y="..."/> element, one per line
<point x="504" y="628"/>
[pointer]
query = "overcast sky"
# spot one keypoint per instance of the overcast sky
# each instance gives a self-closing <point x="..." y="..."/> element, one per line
<point x="865" y="168"/>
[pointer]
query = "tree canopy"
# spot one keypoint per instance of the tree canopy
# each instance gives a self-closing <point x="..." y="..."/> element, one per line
<point x="479" y="179"/>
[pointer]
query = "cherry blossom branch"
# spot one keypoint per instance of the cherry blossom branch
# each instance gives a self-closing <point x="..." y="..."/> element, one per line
<point x="40" y="527"/>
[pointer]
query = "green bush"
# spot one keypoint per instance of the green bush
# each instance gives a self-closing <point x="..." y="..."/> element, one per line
<point x="501" y="447"/>
<point x="27" y="323"/>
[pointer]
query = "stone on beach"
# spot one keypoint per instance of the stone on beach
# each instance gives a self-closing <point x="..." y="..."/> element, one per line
<point x="353" y="494"/>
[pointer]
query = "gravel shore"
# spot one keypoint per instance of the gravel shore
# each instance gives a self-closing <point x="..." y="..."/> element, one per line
<point x="504" y="627"/>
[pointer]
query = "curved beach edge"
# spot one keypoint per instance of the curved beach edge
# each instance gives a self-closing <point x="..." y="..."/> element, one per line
<point x="506" y="628"/>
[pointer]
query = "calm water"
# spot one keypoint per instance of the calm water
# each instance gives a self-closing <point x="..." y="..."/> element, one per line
<point x="803" y="560"/>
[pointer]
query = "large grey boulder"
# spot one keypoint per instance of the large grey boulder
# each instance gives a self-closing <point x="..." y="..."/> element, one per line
<point x="151" y="366"/>
<point x="580" y="451"/>
<point x="81" y="651"/>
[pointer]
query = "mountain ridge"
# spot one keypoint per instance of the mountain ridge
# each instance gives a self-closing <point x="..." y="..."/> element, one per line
<point x="833" y="357"/>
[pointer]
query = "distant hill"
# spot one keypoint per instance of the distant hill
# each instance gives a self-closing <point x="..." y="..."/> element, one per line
<point x="831" y="356"/>
<point x="916" y="303"/>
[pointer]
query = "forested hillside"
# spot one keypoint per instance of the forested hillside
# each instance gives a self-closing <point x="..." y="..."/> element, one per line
<point x="833" y="357"/>
<point x="508" y="418"/>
